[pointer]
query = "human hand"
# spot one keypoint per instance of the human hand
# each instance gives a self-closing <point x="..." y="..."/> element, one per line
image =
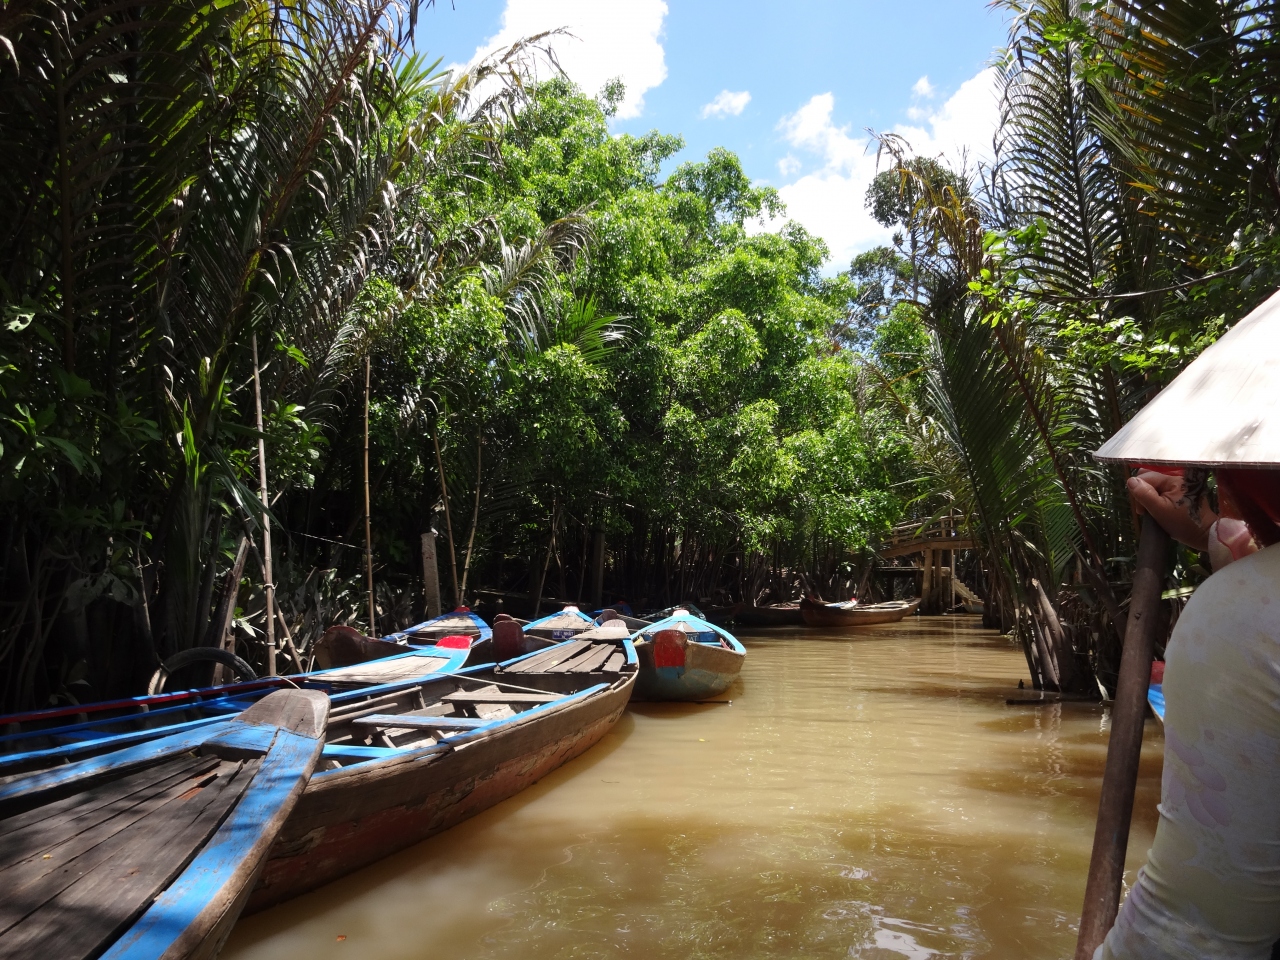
<point x="1164" y="497"/>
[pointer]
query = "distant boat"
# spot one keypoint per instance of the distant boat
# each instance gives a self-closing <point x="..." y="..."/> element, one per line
<point x="152" y="851"/>
<point x="42" y="738"/>
<point x="974" y="607"/>
<point x="683" y="657"/>
<point x="342" y="646"/>
<point x="406" y="761"/>
<point x="772" y="615"/>
<point x="818" y="614"/>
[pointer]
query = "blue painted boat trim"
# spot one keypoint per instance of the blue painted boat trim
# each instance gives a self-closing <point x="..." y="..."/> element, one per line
<point x="406" y="635"/>
<point x="1155" y="697"/>
<point x="534" y="625"/>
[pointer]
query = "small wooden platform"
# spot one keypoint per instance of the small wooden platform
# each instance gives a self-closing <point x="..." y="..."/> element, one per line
<point x="385" y="671"/>
<point x="575" y="656"/>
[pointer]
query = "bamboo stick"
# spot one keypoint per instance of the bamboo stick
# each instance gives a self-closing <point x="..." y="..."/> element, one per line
<point x="268" y="586"/>
<point x="368" y="525"/>
<point x="448" y="520"/>
<point x="475" y="519"/>
<point x="1119" y="780"/>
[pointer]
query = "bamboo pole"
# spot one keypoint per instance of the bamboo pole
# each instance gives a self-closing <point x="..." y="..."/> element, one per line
<point x="475" y="519"/>
<point x="430" y="575"/>
<point x="368" y="525"/>
<point x="448" y="520"/>
<point x="269" y="587"/>
<point x="1119" y="780"/>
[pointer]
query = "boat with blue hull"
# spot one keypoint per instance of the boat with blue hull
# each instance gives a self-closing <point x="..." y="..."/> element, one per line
<point x="152" y="851"/>
<point x="1155" y="690"/>
<point x="45" y="737"/>
<point x="683" y="657"/>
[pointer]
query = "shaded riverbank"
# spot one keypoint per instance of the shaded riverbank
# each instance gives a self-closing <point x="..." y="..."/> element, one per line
<point x="871" y="798"/>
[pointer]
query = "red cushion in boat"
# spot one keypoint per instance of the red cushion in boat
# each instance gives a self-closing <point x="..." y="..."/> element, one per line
<point x="454" y="642"/>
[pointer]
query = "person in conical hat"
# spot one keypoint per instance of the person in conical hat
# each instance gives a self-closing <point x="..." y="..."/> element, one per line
<point x="1211" y="885"/>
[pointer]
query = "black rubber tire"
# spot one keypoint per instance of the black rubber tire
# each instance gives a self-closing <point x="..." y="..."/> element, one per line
<point x="186" y="658"/>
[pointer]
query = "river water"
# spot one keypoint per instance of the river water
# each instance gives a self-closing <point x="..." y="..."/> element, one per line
<point x="872" y="797"/>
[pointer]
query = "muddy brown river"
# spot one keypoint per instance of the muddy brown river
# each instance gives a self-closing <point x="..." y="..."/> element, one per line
<point x="870" y="796"/>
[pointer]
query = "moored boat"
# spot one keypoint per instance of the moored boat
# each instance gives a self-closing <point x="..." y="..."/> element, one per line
<point x="404" y="763"/>
<point x="152" y="851"/>
<point x="556" y="627"/>
<point x="683" y="657"/>
<point x="771" y="615"/>
<point x="343" y="646"/>
<point x="818" y="614"/>
<point x="44" y="737"/>
<point x="1155" y="690"/>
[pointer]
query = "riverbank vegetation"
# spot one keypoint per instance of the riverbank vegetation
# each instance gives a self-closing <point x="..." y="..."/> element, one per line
<point x="571" y="356"/>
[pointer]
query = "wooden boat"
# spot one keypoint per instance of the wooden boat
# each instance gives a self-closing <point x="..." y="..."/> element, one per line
<point x="772" y="615"/>
<point x="683" y="657"/>
<point x="403" y="763"/>
<point x="978" y="607"/>
<point x="818" y="614"/>
<point x="152" y="851"/>
<point x="565" y="625"/>
<point x="44" y="737"/>
<point x="343" y="646"/>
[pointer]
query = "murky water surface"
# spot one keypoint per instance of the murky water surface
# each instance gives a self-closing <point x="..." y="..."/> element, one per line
<point x="871" y="797"/>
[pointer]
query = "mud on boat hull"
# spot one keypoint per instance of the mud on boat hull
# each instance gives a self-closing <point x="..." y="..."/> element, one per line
<point x="352" y="817"/>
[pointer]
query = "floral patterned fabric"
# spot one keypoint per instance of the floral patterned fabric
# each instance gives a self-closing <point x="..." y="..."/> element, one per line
<point x="1211" y="886"/>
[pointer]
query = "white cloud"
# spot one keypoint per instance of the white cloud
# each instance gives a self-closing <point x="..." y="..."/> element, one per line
<point x="609" y="39"/>
<point x="830" y="201"/>
<point x="727" y="104"/>
<point x="924" y="89"/>
<point x="789" y="165"/>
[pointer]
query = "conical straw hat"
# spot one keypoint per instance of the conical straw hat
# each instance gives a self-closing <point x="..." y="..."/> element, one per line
<point x="1222" y="411"/>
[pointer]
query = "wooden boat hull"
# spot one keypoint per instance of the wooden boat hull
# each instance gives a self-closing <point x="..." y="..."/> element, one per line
<point x="154" y="849"/>
<point x="776" y="615"/>
<point x="355" y="816"/>
<point x="708" y="671"/>
<point x="817" y="614"/>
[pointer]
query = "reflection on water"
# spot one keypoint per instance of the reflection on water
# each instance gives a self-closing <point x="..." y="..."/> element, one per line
<point x="871" y="797"/>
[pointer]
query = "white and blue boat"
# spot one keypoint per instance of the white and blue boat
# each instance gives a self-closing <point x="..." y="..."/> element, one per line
<point x="683" y="657"/>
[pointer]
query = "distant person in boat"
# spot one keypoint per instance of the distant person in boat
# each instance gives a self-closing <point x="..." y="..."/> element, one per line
<point x="1210" y="889"/>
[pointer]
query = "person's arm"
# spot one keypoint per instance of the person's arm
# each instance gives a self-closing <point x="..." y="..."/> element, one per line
<point x="1165" y="498"/>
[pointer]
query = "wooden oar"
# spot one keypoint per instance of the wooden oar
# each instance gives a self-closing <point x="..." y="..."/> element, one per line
<point x="1119" y="779"/>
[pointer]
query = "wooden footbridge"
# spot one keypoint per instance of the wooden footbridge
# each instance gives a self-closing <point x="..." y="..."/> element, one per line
<point x="936" y="542"/>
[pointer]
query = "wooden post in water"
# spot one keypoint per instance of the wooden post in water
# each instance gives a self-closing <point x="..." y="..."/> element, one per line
<point x="430" y="575"/>
<point x="1119" y="780"/>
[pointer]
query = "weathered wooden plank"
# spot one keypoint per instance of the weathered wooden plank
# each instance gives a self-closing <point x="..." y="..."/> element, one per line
<point x="409" y="722"/>
<point x="88" y="908"/>
<point x="304" y="712"/>
<point x="385" y="671"/>
<point x="205" y="901"/>
<point x="615" y="662"/>
<point x="86" y="801"/>
<point x="117" y="809"/>
<point x="550" y="658"/>
<point x="467" y="696"/>
<point x="592" y="661"/>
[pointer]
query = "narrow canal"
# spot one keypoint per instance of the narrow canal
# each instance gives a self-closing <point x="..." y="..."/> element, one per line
<point x="872" y="797"/>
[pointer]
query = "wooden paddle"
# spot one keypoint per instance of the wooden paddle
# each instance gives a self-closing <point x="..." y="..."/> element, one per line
<point x="1119" y="779"/>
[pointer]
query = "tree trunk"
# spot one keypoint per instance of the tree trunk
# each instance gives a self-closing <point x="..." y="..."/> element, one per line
<point x="475" y="519"/>
<point x="597" y="569"/>
<point x="430" y="575"/>
<point x="448" y="520"/>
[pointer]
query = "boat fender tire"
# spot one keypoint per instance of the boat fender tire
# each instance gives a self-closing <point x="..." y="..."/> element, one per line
<point x="186" y="658"/>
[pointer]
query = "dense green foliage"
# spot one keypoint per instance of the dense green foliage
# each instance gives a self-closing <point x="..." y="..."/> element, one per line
<point x="594" y="355"/>
<point x="1130" y="217"/>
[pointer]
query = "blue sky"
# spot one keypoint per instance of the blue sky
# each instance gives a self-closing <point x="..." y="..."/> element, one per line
<point x="789" y="86"/>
